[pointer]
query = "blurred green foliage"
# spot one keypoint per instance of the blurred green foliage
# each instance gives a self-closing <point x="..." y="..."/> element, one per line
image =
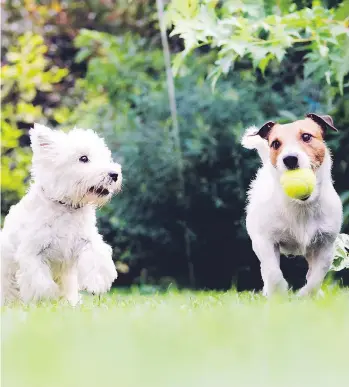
<point x="263" y="31"/>
<point x="120" y="72"/>
<point x="26" y="73"/>
<point x="115" y="83"/>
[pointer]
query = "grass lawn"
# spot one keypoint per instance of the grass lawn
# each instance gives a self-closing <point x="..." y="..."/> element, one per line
<point x="178" y="340"/>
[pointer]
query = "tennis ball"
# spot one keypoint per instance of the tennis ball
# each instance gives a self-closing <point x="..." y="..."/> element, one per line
<point x="298" y="183"/>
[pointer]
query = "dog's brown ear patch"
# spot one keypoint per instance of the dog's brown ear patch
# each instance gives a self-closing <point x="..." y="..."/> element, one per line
<point x="326" y="122"/>
<point x="265" y="129"/>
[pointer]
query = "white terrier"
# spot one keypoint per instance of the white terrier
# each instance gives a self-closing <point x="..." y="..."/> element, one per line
<point x="50" y="243"/>
<point x="299" y="227"/>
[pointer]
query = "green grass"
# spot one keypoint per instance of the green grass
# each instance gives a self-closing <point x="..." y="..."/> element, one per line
<point x="179" y="339"/>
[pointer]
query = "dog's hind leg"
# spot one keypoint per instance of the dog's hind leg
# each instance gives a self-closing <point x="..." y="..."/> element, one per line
<point x="9" y="287"/>
<point x="34" y="276"/>
<point x="269" y="256"/>
<point x="319" y="262"/>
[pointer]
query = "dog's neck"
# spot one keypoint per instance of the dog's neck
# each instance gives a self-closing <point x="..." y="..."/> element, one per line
<point x="69" y="206"/>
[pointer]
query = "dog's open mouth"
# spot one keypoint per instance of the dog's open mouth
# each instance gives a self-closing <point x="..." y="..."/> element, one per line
<point x="100" y="191"/>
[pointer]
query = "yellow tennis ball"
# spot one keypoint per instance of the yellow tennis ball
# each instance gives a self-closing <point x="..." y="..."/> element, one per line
<point x="298" y="183"/>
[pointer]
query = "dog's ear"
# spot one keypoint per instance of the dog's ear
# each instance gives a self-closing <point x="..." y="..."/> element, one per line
<point x="265" y="129"/>
<point x="41" y="136"/>
<point x="325" y="122"/>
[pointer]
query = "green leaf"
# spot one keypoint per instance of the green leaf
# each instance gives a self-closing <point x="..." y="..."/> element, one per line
<point x="264" y="62"/>
<point x="341" y="67"/>
<point x="239" y="47"/>
<point x="323" y="50"/>
<point x="82" y="54"/>
<point x="214" y="76"/>
<point x="339" y="30"/>
<point x="61" y="114"/>
<point x="258" y="53"/>
<point x="341" y="258"/>
<point x="13" y="56"/>
<point x="278" y="51"/>
<point x="314" y="63"/>
<point x="177" y="62"/>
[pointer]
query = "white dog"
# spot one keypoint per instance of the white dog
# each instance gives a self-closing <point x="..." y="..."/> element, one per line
<point x="298" y="227"/>
<point x="50" y="243"/>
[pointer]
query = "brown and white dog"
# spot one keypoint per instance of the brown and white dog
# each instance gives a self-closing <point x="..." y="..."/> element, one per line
<point x="277" y="223"/>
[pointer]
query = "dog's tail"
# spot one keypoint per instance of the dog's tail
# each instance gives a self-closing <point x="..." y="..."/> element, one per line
<point x="251" y="140"/>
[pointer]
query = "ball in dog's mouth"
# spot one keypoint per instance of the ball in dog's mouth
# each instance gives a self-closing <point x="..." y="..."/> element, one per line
<point x="100" y="191"/>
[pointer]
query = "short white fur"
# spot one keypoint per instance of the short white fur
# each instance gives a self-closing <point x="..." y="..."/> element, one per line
<point x="277" y="223"/>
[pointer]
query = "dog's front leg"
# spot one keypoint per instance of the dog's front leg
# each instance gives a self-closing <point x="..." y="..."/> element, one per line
<point x="34" y="276"/>
<point x="269" y="256"/>
<point x="96" y="269"/>
<point x="319" y="262"/>
<point x="70" y="286"/>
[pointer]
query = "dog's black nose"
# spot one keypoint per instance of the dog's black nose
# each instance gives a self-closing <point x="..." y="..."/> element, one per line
<point x="291" y="162"/>
<point x="113" y="175"/>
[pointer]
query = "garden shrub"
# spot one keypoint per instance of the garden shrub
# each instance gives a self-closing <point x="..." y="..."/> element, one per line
<point x="25" y="75"/>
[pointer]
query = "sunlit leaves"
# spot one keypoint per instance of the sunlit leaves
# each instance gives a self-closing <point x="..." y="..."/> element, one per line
<point x="263" y="31"/>
<point x="341" y="260"/>
<point x="25" y="73"/>
<point x="27" y="68"/>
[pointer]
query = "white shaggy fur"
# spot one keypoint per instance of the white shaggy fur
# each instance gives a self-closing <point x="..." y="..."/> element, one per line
<point x="50" y="245"/>
<point x="277" y="223"/>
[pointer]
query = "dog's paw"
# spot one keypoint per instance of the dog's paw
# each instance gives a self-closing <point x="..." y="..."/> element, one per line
<point x="74" y="299"/>
<point x="96" y="284"/>
<point x="97" y="272"/>
<point x="100" y="281"/>
<point x="306" y="291"/>
<point x="276" y="287"/>
<point x="108" y="272"/>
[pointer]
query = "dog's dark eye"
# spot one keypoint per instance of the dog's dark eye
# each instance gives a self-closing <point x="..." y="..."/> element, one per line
<point x="83" y="159"/>
<point x="306" y="137"/>
<point x="275" y="144"/>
